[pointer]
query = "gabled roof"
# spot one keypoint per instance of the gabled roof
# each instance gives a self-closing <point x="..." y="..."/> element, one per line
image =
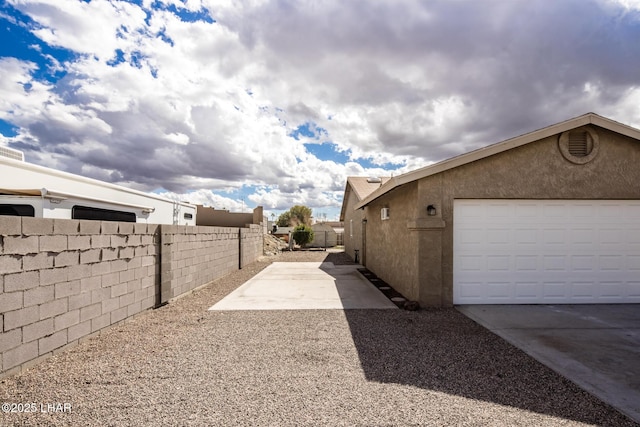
<point x="472" y="156"/>
<point x="361" y="187"/>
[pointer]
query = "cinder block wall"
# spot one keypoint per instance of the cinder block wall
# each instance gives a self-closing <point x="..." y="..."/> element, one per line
<point x="64" y="280"/>
<point x="194" y="256"/>
<point x="252" y="243"/>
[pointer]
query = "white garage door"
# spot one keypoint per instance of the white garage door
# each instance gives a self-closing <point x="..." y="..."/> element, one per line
<point x="546" y="251"/>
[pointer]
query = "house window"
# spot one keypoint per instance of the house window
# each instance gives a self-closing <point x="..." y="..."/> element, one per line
<point x="579" y="146"/>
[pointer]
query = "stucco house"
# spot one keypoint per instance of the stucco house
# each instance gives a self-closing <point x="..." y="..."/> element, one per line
<point x="552" y="216"/>
<point x="356" y="189"/>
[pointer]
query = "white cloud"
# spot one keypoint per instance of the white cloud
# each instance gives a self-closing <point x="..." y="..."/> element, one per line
<point x="97" y="27"/>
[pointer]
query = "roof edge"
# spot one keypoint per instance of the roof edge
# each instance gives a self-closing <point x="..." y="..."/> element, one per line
<point x="490" y="150"/>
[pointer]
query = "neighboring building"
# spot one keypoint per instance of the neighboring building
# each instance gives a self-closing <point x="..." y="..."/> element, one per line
<point x="338" y="227"/>
<point x="31" y="190"/>
<point x="356" y="190"/>
<point x="549" y="217"/>
<point x="282" y="233"/>
<point x="223" y="218"/>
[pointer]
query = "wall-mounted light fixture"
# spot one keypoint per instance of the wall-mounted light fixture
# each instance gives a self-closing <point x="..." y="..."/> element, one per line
<point x="364" y="221"/>
<point x="431" y="210"/>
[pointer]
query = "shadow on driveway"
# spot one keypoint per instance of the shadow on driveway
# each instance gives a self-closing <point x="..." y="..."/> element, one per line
<point x="442" y="350"/>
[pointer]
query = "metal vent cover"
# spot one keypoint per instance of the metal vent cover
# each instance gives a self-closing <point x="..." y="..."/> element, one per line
<point x="579" y="146"/>
<point x="579" y="143"/>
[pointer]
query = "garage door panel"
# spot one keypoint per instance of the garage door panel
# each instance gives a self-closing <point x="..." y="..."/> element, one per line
<point x="499" y="290"/>
<point x="472" y="236"/>
<point x="552" y="290"/>
<point x="580" y="263"/>
<point x="612" y="289"/>
<point x="583" y="290"/>
<point x="554" y="263"/>
<point x="611" y="263"/>
<point x="498" y="236"/>
<point x="499" y="263"/>
<point x="546" y="251"/>
<point x="526" y="292"/>
<point x="633" y="263"/>
<point x="554" y="236"/>
<point x="633" y="290"/>
<point x="554" y="210"/>
<point x="582" y="237"/>
<point x="526" y="263"/>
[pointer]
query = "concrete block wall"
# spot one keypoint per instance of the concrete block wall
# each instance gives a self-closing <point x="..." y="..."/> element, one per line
<point x="252" y="244"/>
<point x="62" y="280"/>
<point x="194" y="256"/>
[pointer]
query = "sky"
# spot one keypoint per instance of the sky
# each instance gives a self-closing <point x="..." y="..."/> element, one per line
<point x="237" y="104"/>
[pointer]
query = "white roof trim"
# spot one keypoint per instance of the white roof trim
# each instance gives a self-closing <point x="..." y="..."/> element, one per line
<point x="472" y="156"/>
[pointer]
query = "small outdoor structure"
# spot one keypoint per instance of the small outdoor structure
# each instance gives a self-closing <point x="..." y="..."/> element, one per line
<point x="552" y="216"/>
<point x="324" y="236"/>
<point x="282" y="232"/>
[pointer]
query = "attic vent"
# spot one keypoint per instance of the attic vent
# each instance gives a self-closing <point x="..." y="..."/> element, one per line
<point x="374" y="180"/>
<point x="579" y="144"/>
<point x="11" y="153"/>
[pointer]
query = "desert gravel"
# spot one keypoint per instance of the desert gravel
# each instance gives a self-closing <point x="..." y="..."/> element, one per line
<point x="183" y="365"/>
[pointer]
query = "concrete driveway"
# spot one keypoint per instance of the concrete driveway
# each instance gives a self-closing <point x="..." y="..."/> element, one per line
<point x="306" y="285"/>
<point x="595" y="346"/>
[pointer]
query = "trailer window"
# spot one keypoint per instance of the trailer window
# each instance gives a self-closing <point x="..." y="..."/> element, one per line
<point x="17" y="210"/>
<point x="85" y="212"/>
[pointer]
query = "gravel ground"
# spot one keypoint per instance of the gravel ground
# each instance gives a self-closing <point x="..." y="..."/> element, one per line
<point x="184" y="365"/>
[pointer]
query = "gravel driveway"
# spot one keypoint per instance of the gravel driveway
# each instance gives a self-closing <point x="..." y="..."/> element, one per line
<point x="184" y="365"/>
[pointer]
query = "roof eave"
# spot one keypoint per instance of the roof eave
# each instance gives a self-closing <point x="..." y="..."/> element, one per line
<point x="481" y="153"/>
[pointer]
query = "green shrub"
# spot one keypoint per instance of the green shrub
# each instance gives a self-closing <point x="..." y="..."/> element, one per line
<point x="303" y="235"/>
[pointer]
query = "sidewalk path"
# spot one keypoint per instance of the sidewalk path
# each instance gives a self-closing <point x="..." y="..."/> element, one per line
<point x="306" y="286"/>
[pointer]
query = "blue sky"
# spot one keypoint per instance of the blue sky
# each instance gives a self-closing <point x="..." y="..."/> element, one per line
<point x="239" y="104"/>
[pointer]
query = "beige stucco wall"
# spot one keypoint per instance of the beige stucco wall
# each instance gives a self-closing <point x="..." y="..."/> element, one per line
<point x="391" y="247"/>
<point x="352" y="226"/>
<point x="534" y="171"/>
<point x="222" y="218"/>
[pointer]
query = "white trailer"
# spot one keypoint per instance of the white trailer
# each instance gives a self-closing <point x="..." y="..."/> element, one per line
<point x="31" y="190"/>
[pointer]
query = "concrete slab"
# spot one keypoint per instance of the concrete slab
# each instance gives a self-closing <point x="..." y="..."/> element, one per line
<point x="595" y="346"/>
<point x="306" y="286"/>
